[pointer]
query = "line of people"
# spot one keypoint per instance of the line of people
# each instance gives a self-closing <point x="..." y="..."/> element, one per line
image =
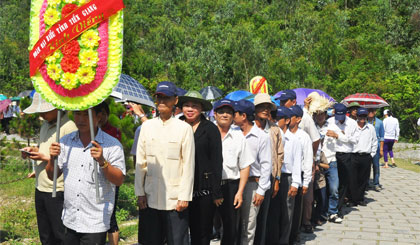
<point x="269" y="171"/>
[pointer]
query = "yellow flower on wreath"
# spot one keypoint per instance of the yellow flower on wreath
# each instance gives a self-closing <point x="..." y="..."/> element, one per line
<point x="88" y="57"/>
<point x="68" y="81"/>
<point x="51" y="16"/>
<point x="85" y="75"/>
<point x="81" y="2"/>
<point x="54" y="2"/>
<point x="69" y="1"/>
<point x="90" y="39"/>
<point x="54" y="72"/>
<point x="52" y="58"/>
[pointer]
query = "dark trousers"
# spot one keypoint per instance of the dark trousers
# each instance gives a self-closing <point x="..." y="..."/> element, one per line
<point x="201" y="219"/>
<point x="48" y="215"/>
<point x="287" y="205"/>
<point x="228" y="213"/>
<point x="113" y="226"/>
<point x="344" y="172"/>
<point x="273" y="220"/>
<point x="321" y="199"/>
<point x="297" y="216"/>
<point x="261" y="231"/>
<point x="360" y="175"/>
<point x="159" y="226"/>
<point x="72" y="237"/>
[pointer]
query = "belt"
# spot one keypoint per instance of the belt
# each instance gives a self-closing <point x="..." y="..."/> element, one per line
<point x="225" y="181"/>
<point x="287" y="174"/>
<point x="362" y="153"/>
<point x="253" y="179"/>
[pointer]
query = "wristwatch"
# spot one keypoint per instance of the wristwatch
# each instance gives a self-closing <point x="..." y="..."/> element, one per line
<point x="106" y="163"/>
<point x="278" y="178"/>
<point x="141" y="116"/>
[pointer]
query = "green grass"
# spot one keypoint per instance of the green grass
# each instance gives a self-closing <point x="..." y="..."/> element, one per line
<point x="407" y="164"/>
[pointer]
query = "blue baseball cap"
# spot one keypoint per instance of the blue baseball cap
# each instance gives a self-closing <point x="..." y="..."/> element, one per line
<point x="244" y="106"/>
<point x="340" y="112"/>
<point x="287" y="94"/>
<point x="296" y="111"/>
<point x="283" y="112"/>
<point x="166" y="88"/>
<point x="362" y="111"/>
<point x="223" y="102"/>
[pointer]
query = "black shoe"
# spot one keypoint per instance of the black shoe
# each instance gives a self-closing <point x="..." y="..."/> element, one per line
<point x="308" y="229"/>
<point x="216" y="237"/>
<point x="362" y="203"/>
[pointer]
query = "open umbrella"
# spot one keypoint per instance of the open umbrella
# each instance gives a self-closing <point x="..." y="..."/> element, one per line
<point x="252" y="97"/>
<point x="2" y="97"/>
<point x="365" y="100"/>
<point x="211" y="93"/>
<point x="4" y="104"/>
<point x="129" y="89"/>
<point x="238" y="95"/>
<point x="302" y="93"/>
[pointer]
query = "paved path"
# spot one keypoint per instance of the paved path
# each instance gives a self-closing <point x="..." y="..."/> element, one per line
<point x="392" y="215"/>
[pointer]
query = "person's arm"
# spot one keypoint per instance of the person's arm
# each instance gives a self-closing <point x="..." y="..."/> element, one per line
<point x="264" y="183"/>
<point x="187" y="163"/>
<point x="141" y="170"/>
<point x="55" y="150"/>
<point x="111" y="173"/>
<point x="296" y="168"/>
<point x="374" y="141"/>
<point x="138" y="110"/>
<point x="397" y="131"/>
<point x="216" y="158"/>
<point x="280" y="160"/>
<point x="307" y="164"/>
<point x="244" y="174"/>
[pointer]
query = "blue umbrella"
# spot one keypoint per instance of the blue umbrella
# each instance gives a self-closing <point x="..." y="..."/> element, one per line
<point x="238" y="95"/>
<point x="211" y="93"/>
<point x="129" y="89"/>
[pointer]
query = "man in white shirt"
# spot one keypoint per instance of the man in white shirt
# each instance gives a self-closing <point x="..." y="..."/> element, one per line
<point x="164" y="173"/>
<point x="291" y="178"/>
<point x="344" y="148"/>
<point x="259" y="145"/>
<point x="328" y="147"/>
<point x="236" y="164"/>
<point x="392" y="132"/>
<point x="307" y="161"/>
<point x="363" y="153"/>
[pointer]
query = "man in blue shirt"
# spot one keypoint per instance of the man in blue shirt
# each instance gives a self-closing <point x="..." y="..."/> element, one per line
<point x="380" y="132"/>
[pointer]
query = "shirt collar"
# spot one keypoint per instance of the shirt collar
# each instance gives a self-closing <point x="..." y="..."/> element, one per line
<point x="98" y="138"/>
<point x="253" y="131"/>
<point x="167" y="122"/>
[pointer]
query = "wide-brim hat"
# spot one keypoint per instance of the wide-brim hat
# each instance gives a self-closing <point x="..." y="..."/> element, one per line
<point x="353" y="104"/>
<point x="318" y="103"/>
<point x="39" y="105"/>
<point x="262" y="98"/>
<point x="195" y="96"/>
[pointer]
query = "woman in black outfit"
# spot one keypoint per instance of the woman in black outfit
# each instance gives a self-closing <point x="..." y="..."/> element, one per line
<point x="208" y="167"/>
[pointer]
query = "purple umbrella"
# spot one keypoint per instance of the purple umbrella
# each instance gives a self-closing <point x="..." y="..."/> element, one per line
<point x="4" y="104"/>
<point x="238" y="95"/>
<point x="302" y="93"/>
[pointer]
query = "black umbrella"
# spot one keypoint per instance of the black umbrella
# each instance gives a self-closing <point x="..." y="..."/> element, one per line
<point x="129" y="89"/>
<point x="211" y="93"/>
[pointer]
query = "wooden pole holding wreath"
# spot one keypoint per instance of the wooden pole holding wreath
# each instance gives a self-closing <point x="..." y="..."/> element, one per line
<point x="57" y="139"/>
<point x="75" y="53"/>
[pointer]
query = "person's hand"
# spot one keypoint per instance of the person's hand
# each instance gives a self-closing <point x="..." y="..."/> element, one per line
<point x="276" y="189"/>
<point x="31" y="175"/>
<point x="142" y="202"/>
<point x="137" y="108"/>
<point x="39" y="156"/>
<point x="54" y="149"/>
<point x="29" y="149"/>
<point x="292" y="191"/>
<point x="381" y="153"/>
<point x="331" y="133"/>
<point x="97" y="152"/>
<point x="304" y="190"/>
<point x="181" y="206"/>
<point x="395" y="141"/>
<point x="317" y="168"/>
<point x="258" y="199"/>
<point x="237" y="201"/>
<point x="307" y="102"/>
<point x="218" y="202"/>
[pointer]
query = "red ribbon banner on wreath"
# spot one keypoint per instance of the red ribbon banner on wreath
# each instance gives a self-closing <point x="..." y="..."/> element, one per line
<point x="70" y="27"/>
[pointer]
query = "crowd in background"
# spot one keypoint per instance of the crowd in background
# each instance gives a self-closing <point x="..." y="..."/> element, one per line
<point x="249" y="172"/>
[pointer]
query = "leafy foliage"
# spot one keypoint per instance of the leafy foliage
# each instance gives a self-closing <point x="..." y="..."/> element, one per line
<point x="341" y="46"/>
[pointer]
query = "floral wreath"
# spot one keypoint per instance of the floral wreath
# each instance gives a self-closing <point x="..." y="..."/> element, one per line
<point x="85" y="70"/>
